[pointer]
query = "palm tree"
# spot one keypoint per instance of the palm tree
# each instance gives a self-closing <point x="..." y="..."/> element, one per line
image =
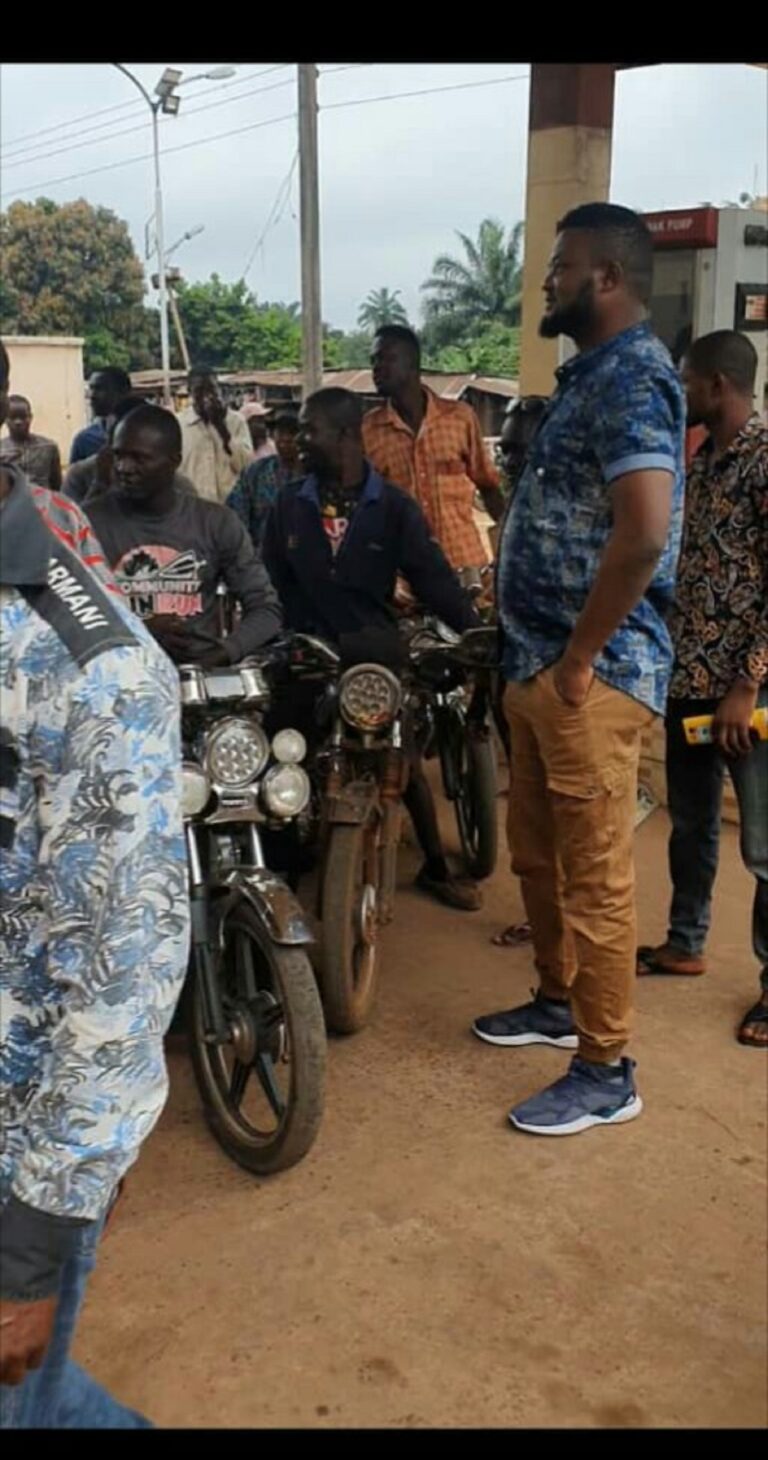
<point x="382" y="306"/>
<point x="486" y="286"/>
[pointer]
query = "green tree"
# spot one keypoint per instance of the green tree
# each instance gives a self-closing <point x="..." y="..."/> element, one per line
<point x="380" y="307"/>
<point x="484" y="287"/>
<point x="493" y="350"/>
<point x="227" y="328"/>
<point x="72" y="269"/>
<point x="352" y="351"/>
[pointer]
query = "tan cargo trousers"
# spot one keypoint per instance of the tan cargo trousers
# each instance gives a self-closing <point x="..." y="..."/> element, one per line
<point x="573" y="794"/>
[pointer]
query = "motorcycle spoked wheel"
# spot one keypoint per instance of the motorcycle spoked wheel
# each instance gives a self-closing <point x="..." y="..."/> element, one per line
<point x="471" y="776"/>
<point x="263" y="1092"/>
<point x="350" y="922"/>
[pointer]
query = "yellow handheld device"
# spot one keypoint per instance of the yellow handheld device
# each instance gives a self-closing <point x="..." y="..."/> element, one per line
<point x="698" y="728"/>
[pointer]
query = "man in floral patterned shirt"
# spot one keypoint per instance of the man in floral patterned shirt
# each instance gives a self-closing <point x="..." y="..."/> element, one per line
<point x="93" y="932"/>
<point x="720" y="632"/>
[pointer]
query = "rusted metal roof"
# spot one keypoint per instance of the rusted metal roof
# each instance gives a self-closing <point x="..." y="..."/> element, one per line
<point x="448" y="387"/>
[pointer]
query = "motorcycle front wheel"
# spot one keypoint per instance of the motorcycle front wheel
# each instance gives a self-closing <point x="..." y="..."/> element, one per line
<point x="350" y="914"/>
<point x="469" y="772"/>
<point x="263" y="1090"/>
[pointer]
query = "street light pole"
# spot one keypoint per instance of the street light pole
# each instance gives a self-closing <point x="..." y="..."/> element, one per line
<point x="311" y="314"/>
<point x="167" y="100"/>
<point x="165" y="345"/>
<point x="165" y="348"/>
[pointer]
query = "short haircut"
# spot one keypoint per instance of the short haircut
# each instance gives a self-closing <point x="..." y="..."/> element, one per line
<point x="725" y="352"/>
<point x="127" y="404"/>
<point x="164" y="424"/>
<point x="340" y="407"/>
<point x="5" y="367"/>
<point x="285" y="421"/>
<point x="118" y="379"/>
<point x="403" y="335"/>
<point x="620" y="236"/>
<point x="20" y="400"/>
<point x="201" y="372"/>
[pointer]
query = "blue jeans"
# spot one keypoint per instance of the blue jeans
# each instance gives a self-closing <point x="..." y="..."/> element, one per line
<point x="60" y="1395"/>
<point x="695" y="777"/>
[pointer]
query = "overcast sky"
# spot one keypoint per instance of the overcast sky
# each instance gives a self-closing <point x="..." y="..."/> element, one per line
<point x="397" y="176"/>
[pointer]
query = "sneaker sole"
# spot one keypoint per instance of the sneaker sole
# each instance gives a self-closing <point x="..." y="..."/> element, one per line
<point x="584" y="1122"/>
<point x="511" y="1041"/>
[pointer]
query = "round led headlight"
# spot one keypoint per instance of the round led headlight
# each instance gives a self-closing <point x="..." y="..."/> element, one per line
<point x="369" y="696"/>
<point x="195" y="789"/>
<point x="236" y="752"/>
<point x="289" y="747"/>
<point x="286" y="790"/>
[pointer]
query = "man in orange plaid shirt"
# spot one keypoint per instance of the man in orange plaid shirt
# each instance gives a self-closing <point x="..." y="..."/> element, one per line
<point x="430" y="447"/>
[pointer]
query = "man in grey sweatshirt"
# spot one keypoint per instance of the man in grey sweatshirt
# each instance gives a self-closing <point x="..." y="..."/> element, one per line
<point x="169" y="550"/>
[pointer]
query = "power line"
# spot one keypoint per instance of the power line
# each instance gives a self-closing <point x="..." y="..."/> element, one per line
<point x="140" y="126"/>
<point x="147" y="156"/>
<point x="274" y="215"/>
<point x="220" y="136"/>
<point x="15" y="142"/>
<point x="426" y="91"/>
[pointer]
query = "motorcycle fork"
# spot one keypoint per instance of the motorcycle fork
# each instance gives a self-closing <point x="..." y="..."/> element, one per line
<point x="394" y="778"/>
<point x="203" y="954"/>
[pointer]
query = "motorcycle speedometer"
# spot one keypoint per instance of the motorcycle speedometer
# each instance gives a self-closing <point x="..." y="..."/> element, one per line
<point x="236" y="752"/>
<point x="369" y="696"/>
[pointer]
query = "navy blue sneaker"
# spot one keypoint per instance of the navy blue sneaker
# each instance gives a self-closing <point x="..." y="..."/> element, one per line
<point x="542" y="1022"/>
<point x="588" y="1095"/>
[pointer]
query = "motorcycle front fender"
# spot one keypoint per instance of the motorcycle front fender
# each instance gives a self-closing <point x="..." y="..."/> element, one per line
<point x="279" y="912"/>
<point x="354" y="804"/>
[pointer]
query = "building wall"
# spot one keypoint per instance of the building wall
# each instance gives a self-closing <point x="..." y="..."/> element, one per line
<point x="48" y="369"/>
<point x="739" y="264"/>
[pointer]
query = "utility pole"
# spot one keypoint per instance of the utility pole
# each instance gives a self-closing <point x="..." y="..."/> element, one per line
<point x="311" y="313"/>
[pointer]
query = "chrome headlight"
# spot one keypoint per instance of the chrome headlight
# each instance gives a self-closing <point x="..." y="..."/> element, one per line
<point x="286" y="790"/>
<point x="236" y="752"/>
<point x="369" y="696"/>
<point x="195" y="790"/>
<point x="289" y="747"/>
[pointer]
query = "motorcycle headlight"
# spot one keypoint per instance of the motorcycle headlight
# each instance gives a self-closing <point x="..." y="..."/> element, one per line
<point x="289" y="747"/>
<point x="236" y="752"/>
<point x="195" y="790"/>
<point x="369" y="696"/>
<point x="286" y="790"/>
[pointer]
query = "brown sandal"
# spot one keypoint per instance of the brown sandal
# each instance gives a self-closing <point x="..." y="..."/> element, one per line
<point x="513" y="937"/>
<point x="668" y="961"/>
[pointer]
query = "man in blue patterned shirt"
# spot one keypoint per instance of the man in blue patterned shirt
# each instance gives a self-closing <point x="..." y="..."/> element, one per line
<point x="93" y="936"/>
<point x="587" y="571"/>
<point x="256" y="487"/>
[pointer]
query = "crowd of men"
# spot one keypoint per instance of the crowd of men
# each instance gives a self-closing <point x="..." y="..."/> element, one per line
<point x="621" y="596"/>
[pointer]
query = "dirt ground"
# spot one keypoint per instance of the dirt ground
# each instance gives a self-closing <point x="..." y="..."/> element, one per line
<point x="428" y="1266"/>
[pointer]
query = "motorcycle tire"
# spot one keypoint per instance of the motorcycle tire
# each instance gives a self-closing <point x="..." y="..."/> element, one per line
<point x="292" y="1032"/>
<point x="474" y="782"/>
<point x="349" y="963"/>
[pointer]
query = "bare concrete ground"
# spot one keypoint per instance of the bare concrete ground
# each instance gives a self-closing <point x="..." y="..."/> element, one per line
<point x="428" y="1266"/>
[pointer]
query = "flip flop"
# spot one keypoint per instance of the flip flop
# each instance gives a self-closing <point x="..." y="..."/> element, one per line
<point x="513" y="937"/>
<point x="666" y="962"/>
<point x="758" y="1014"/>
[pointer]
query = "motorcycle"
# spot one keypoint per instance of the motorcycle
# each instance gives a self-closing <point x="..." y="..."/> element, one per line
<point x="360" y="772"/>
<point x="252" y="1008"/>
<point x="451" y="690"/>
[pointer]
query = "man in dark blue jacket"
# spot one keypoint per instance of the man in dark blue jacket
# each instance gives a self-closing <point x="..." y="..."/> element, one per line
<point x="334" y="545"/>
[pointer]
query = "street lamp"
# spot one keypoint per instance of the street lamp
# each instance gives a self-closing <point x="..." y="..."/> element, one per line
<point x="166" y="100"/>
